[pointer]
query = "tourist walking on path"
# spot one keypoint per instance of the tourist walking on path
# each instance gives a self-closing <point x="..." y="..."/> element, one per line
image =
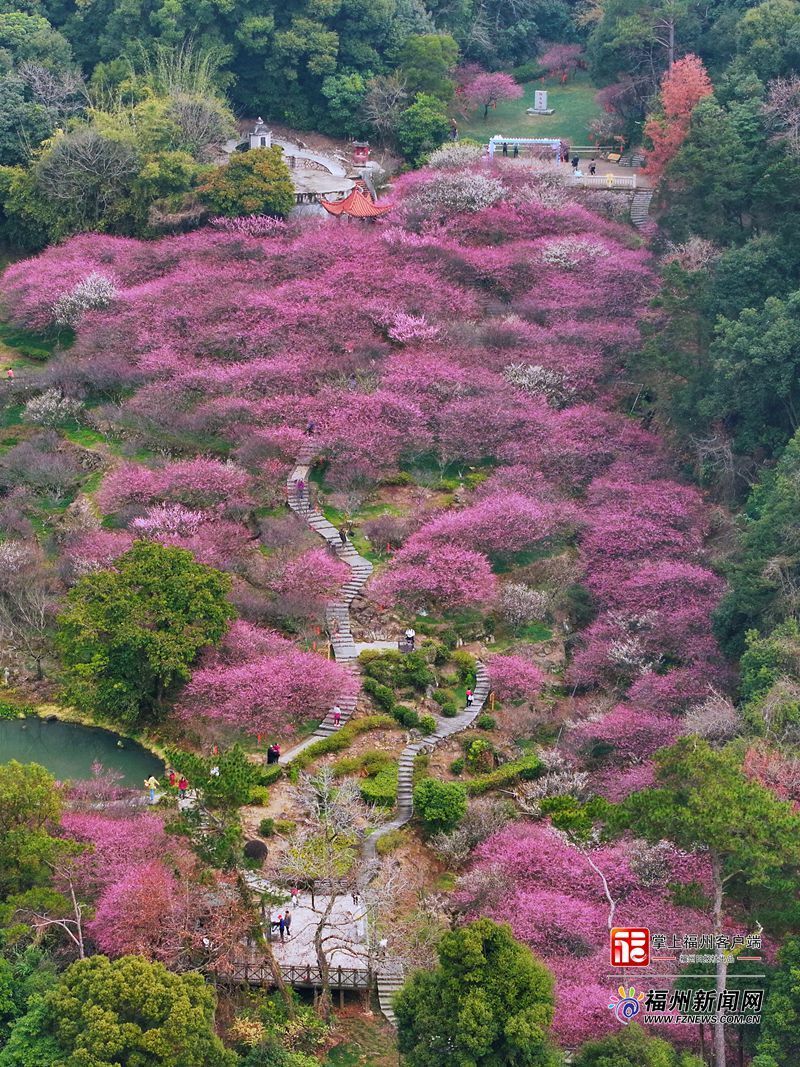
<point x="183" y="785"/>
<point x="10" y="374"/>
<point x="310" y="428"/>
<point x="287" y="922"/>
<point x="343" y="535"/>
<point x="173" y="778"/>
<point x="281" y="926"/>
<point x="151" y="783"/>
<point x="470" y="698"/>
<point x="593" y="168"/>
<point x="411" y="636"/>
<point x="337" y="715"/>
<point x="294" y="893"/>
<point x="575" y="163"/>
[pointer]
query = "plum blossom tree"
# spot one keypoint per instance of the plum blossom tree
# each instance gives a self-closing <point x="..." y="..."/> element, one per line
<point x="489" y="90"/>
<point x="515" y="678"/>
<point x="444" y="576"/>
<point x="261" y="683"/>
<point x="561" y="899"/>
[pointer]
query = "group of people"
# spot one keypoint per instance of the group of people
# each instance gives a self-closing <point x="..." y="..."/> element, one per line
<point x="576" y="163"/>
<point x="283" y="924"/>
<point x="274" y="753"/>
<point x="152" y="783"/>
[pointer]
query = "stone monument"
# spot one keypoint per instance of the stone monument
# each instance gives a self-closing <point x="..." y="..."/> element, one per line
<point x="540" y="103"/>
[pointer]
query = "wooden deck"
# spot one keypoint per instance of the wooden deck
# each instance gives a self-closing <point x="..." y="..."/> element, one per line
<point x="299" y="977"/>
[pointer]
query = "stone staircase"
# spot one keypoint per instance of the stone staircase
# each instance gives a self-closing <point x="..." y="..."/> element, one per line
<point x="389" y="981"/>
<point x="640" y="210"/>
<point x="337" y="613"/>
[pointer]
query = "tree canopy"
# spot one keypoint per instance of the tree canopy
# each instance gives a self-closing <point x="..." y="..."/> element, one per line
<point x="123" y="1011"/>
<point x="489" y="1002"/>
<point x="128" y="636"/>
<point x="252" y="183"/>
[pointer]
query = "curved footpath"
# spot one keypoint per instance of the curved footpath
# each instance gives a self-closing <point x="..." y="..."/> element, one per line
<point x="345" y="651"/>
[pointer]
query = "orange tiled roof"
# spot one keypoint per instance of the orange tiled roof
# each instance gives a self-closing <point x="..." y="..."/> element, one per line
<point x="356" y="204"/>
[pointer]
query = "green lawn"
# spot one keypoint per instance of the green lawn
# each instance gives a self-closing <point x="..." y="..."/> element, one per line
<point x="574" y="106"/>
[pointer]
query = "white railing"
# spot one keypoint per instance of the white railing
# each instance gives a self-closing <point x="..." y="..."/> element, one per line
<point x="606" y="181"/>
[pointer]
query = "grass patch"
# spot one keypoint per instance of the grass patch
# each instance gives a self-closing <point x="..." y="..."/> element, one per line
<point x="574" y="108"/>
<point x="11" y="415"/>
<point x="532" y="634"/>
<point x="83" y="436"/>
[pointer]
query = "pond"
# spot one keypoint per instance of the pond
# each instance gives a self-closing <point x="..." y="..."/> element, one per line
<point x="68" y="749"/>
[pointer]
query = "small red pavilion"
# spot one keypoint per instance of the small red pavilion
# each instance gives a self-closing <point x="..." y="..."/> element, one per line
<point x="358" y="204"/>
<point x="360" y="153"/>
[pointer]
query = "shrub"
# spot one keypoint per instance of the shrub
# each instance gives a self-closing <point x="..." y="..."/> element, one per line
<point x="450" y="709"/>
<point x="397" y="670"/>
<point x="284" y="826"/>
<point x="420" y="771"/>
<point x="266" y="827"/>
<point x="427" y="723"/>
<point x="381" y="694"/>
<point x="338" y="741"/>
<point x="465" y="665"/>
<point x="406" y="716"/>
<point x="525" y="768"/>
<point x="440" y="805"/>
<point x="479" y="754"/>
<point x="381" y="788"/>
<point x="530" y="71"/>
<point x="370" y="762"/>
<point x="443" y="696"/>
<point x="485" y="722"/>
<point x="259" y="795"/>
<point x="457" y="766"/>
<point x="389" y="842"/>
<point x="580" y="605"/>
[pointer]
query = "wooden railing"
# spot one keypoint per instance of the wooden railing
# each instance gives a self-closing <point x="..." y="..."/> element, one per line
<point x="251" y="973"/>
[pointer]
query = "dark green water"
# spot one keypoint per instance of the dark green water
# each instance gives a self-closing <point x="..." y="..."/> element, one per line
<point x="68" y="750"/>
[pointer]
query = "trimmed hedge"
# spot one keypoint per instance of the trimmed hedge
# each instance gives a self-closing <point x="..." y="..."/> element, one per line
<point x="341" y="739"/>
<point x="525" y="768"/>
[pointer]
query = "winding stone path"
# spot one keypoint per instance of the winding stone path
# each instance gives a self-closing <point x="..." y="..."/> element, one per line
<point x="337" y="613"/>
<point x="390" y="975"/>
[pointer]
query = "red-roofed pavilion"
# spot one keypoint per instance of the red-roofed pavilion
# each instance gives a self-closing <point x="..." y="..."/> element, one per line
<point x="356" y="205"/>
